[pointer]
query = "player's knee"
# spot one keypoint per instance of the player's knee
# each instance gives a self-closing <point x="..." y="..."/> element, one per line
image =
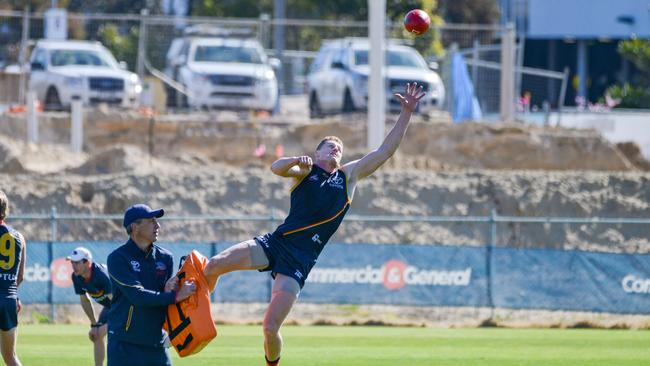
<point x="271" y="328"/>
<point x="9" y="357"/>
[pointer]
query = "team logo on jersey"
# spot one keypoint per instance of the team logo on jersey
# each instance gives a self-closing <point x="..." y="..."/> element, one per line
<point x="336" y="182"/>
<point x="313" y="178"/>
<point x="161" y="269"/>
<point x="316" y="239"/>
<point x="135" y="265"/>
<point x="298" y="274"/>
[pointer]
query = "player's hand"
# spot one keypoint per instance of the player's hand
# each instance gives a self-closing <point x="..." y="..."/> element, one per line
<point x="304" y="162"/>
<point x="171" y="284"/>
<point x="412" y="95"/>
<point x="19" y="306"/>
<point x="187" y="289"/>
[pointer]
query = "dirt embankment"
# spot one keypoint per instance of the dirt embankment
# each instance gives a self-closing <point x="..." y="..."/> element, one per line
<point x="430" y="145"/>
<point x="109" y="180"/>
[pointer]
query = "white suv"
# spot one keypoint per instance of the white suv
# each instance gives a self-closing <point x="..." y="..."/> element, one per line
<point x="61" y="70"/>
<point x="338" y="77"/>
<point x="225" y="72"/>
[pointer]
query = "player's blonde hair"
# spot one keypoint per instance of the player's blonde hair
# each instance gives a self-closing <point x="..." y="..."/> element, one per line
<point x="4" y="205"/>
<point x="329" y="138"/>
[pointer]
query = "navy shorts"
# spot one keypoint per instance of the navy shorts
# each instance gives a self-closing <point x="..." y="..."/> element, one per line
<point x="103" y="316"/>
<point x="8" y="313"/>
<point x="278" y="252"/>
<point x="121" y="353"/>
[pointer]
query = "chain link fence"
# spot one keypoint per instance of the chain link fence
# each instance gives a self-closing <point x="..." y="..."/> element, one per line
<point x="142" y="41"/>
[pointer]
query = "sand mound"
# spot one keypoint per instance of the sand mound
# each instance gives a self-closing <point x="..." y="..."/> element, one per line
<point x="114" y="159"/>
<point x="9" y="158"/>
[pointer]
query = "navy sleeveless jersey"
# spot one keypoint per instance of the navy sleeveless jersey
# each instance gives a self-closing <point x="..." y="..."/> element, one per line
<point x="98" y="285"/>
<point x="11" y="249"/>
<point x="318" y="204"/>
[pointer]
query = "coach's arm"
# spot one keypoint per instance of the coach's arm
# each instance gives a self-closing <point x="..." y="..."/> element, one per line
<point x="123" y="277"/>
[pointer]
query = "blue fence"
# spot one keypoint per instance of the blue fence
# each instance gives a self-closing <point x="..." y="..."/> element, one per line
<point x="404" y="275"/>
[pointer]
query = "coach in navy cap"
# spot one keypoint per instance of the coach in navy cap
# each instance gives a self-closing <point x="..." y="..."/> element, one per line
<point x="140" y="211"/>
<point x="143" y="287"/>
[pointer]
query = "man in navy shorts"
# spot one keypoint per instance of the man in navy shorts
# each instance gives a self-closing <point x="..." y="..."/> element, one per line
<point x="90" y="279"/>
<point x="12" y="269"/>
<point x="320" y="197"/>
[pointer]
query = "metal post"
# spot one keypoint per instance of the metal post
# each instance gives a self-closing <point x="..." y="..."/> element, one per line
<point x="507" y="100"/>
<point x="493" y="228"/>
<point x="521" y="50"/>
<point x="76" y="124"/>
<point x="142" y="43"/>
<point x="264" y="29"/>
<point x="448" y="76"/>
<point x="32" y="120"/>
<point x="582" y="68"/>
<point x="279" y="13"/>
<point x="376" y="87"/>
<point x="475" y="58"/>
<point x="22" y="58"/>
<point x="488" y="260"/>
<point x="551" y="65"/>
<point x="53" y="218"/>
<point x="50" y="297"/>
<point x="560" y="102"/>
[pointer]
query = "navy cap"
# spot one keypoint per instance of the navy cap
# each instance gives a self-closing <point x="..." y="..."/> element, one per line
<point x="140" y="211"/>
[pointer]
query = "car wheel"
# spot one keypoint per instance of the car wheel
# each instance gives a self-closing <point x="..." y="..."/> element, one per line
<point x="171" y="97"/>
<point x="52" y="100"/>
<point x="348" y="103"/>
<point x="315" y="110"/>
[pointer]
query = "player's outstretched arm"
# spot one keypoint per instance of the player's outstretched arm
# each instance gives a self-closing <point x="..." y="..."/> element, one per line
<point x="365" y="166"/>
<point x="293" y="166"/>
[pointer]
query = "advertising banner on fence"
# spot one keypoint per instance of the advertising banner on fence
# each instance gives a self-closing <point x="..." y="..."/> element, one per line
<point x="571" y="280"/>
<point x="416" y="275"/>
<point x="399" y="275"/>
<point x="48" y="273"/>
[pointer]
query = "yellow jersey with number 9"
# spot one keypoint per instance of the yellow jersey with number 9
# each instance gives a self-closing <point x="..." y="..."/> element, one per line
<point x="11" y="247"/>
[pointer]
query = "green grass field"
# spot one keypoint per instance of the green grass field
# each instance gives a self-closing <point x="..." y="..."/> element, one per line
<point x="67" y="345"/>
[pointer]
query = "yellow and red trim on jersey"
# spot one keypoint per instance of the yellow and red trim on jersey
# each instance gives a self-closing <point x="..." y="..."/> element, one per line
<point x="347" y="203"/>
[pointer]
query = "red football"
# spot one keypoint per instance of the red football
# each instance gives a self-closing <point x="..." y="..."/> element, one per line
<point x="417" y="21"/>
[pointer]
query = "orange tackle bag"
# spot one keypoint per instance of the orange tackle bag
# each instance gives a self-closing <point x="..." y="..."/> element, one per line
<point x="189" y="323"/>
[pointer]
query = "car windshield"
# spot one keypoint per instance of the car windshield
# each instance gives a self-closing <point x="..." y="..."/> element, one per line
<point x="247" y="55"/>
<point x="79" y="57"/>
<point x="393" y="58"/>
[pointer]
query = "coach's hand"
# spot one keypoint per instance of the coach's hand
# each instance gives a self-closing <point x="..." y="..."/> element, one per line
<point x="187" y="289"/>
<point x="171" y="284"/>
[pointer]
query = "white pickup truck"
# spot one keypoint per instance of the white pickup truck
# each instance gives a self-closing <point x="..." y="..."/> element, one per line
<point x="61" y="70"/>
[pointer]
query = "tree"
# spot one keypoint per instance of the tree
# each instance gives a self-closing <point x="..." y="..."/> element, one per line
<point x="123" y="46"/>
<point x="470" y="11"/>
<point x="637" y="93"/>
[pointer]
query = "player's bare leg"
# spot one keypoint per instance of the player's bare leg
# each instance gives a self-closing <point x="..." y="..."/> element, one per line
<point x="99" y="345"/>
<point x="283" y="296"/>
<point x="242" y="256"/>
<point x="8" y="346"/>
